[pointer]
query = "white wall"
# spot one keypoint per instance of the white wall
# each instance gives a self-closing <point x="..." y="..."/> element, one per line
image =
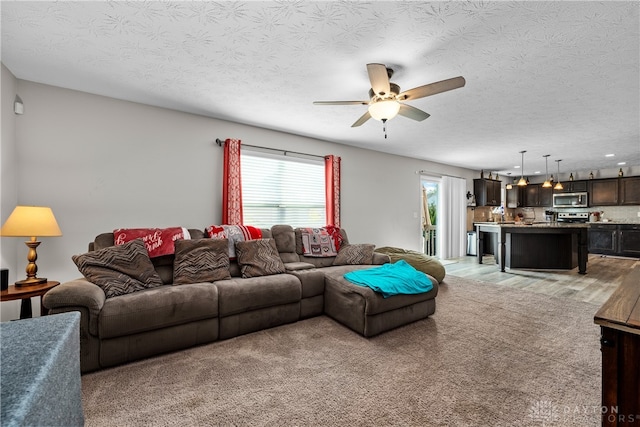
<point x="102" y="163"/>
<point x="8" y="185"/>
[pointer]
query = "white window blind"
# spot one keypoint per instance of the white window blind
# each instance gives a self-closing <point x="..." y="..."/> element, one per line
<point x="282" y="190"/>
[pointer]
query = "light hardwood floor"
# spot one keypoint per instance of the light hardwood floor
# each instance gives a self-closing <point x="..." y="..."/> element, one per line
<point x="604" y="274"/>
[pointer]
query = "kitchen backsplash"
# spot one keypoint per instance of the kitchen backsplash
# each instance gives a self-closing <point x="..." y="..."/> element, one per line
<point x="619" y="214"/>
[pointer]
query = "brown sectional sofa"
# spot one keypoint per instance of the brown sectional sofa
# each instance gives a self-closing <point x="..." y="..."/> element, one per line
<point x="129" y="327"/>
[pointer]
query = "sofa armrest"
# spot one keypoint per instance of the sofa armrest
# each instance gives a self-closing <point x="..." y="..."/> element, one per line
<point x="77" y="293"/>
<point x="380" y="259"/>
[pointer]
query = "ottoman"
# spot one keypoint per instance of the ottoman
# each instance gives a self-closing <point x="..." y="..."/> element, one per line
<point x="40" y="375"/>
<point x="367" y="312"/>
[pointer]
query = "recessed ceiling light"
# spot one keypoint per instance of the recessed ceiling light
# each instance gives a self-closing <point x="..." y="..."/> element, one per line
<point x="537" y="172"/>
<point x="516" y="167"/>
<point x="622" y="163"/>
<point x="609" y="155"/>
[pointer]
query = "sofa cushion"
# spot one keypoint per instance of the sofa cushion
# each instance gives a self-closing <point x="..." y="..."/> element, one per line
<point x="355" y="254"/>
<point x="285" y="239"/>
<point x="157" y="308"/>
<point x="421" y="262"/>
<point x="311" y="281"/>
<point x="202" y="260"/>
<point x="119" y="270"/>
<point x="259" y="258"/>
<point x="242" y="295"/>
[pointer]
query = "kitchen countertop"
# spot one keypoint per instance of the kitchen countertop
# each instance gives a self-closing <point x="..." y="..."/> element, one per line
<point x="534" y="225"/>
<point x="614" y="223"/>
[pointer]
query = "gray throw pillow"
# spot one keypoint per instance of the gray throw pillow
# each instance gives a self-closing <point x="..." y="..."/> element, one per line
<point x="355" y="254"/>
<point x="201" y="260"/>
<point x="119" y="270"/>
<point x="259" y="258"/>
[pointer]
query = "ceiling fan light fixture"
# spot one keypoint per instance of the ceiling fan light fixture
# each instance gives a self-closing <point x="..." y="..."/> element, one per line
<point x="384" y="110"/>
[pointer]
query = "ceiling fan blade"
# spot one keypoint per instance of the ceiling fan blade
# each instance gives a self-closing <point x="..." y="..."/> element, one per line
<point x="366" y="116"/>
<point x="340" y="102"/>
<point x="379" y="78"/>
<point x="412" y="112"/>
<point x="432" y="88"/>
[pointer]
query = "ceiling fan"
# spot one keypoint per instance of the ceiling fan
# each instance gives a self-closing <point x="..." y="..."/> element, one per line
<point x="385" y="97"/>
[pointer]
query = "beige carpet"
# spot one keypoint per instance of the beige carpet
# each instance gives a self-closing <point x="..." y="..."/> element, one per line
<point x="490" y="356"/>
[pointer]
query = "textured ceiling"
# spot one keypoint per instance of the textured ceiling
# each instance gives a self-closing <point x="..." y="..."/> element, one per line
<point x="558" y="78"/>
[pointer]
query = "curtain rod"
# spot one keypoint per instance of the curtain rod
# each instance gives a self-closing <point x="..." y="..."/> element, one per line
<point x="422" y="172"/>
<point x="219" y="142"/>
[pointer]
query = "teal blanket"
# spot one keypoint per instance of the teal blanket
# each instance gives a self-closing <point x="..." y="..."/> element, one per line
<point x="392" y="279"/>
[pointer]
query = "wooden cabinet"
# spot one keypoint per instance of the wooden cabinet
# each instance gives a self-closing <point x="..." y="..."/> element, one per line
<point x="630" y="191"/>
<point x="604" y="192"/>
<point x="615" y="239"/>
<point x="603" y="239"/>
<point x="538" y="196"/>
<point x="515" y="197"/>
<point x="545" y="197"/>
<point x="487" y="192"/>
<point x="629" y="240"/>
<point x="619" y="320"/>
<point x="573" y="187"/>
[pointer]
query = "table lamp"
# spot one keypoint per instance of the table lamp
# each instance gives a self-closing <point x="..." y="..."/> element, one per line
<point x="31" y="221"/>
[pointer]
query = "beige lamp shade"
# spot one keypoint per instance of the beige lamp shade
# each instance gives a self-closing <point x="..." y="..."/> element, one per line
<point x="31" y="221"/>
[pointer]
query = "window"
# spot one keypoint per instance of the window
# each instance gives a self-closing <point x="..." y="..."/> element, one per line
<point x="282" y="190"/>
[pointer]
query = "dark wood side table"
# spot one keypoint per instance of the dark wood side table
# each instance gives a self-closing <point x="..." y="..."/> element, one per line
<point x="619" y="320"/>
<point x="25" y="293"/>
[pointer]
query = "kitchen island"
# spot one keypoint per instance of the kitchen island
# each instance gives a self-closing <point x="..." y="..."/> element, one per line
<point x="548" y="245"/>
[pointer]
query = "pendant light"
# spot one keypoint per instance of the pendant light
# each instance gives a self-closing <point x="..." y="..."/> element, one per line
<point x="547" y="183"/>
<point x="559" y="184"/>
<point x="522" y="182"/>
<point x="509" y="185"/>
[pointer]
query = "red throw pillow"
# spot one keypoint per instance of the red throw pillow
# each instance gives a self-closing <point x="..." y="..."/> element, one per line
<point x="159" y="241"/>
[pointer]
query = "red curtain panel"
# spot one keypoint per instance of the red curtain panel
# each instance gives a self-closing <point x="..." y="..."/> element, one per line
<point x="332" y="188"/>
<point x="231" y="184"/>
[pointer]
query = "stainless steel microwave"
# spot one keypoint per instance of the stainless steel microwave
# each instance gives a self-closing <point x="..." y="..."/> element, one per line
<point x="571" y="200"/>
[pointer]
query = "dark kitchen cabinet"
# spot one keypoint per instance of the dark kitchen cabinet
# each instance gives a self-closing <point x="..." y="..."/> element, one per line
<point x="630" y="191"/>
<point x="487" y="192"/>
<point x="545" y="196"/>
<point x="615" y="239"/>
<point x="629" y="240"/>
<point x="573" y="187"/>
<point x="603" y="239"/>
<point x="604" y="192"/>
<point x="515" y="197"/>
<point x="535" y="195"/>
